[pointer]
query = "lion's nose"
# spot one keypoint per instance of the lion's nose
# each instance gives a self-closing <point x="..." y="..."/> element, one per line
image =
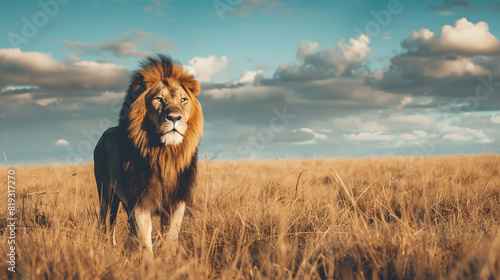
<point x="174" y="117"/>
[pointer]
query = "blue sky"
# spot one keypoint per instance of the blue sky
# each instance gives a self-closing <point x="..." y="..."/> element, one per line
<point x="356" y="78"/>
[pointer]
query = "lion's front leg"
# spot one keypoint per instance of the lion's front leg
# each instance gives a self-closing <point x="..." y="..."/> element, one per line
<point x="175" y="227"/>
<point x="141" y="225"/>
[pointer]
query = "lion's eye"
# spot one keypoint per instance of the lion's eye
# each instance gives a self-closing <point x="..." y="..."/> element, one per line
<point x="183" y="100"/>
<point x="159" y="100"/>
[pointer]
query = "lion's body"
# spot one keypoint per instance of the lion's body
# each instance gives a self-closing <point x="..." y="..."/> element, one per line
<point x="148" y="162"/>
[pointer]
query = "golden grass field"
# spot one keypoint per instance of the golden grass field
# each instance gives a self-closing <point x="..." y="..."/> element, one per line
<point x="370" y="218"/>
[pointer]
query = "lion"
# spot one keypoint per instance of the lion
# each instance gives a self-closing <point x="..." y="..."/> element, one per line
<point x="148" y="162"/>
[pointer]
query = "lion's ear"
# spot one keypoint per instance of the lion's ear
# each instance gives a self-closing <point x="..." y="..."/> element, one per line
<point x="191" y="83"/>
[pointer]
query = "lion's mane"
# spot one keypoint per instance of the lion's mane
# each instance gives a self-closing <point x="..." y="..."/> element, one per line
<point x="159" y="175"/>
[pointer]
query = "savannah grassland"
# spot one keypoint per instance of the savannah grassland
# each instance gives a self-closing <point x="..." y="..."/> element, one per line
<point x="371" y="218"/>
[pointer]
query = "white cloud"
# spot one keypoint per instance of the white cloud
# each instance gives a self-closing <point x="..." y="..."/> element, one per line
<point x="189" y="69"/>
<point x="445" y="65"/>
<point x="458" y="67"/>
<point x="17" y="98"/>
<point x="370" y="136"/>
<point x="414" y="138"/>
<point x="246" y="93"/>
<point x="411" y="119"/>
<point x="439" y="67"/>
<point x="464" y="38"/>
<point x="356" y="51"/>
<point x="495" y="119"/>
<point x="420" y="133"/>
<point x="18" y="88"/>
<point x="37" y="61"/>
<point x="205" y="67"/>
<point x="342" y="59"/>
<point x="405" y="101"/>
<point x="393" y="140"/>
<point x="423" y="34"/>
<point x="61" y="142"/>
<point x="306" y="47"/>
<point x="343" y="92"/>
<point x="42" y="70"/>
<point x="316" y="136"/>
<point x="487" y="140"/>
<point x="356" y="123"/>
<point x="452" y="133"/>
<point x="249" y="77"/>
<point x="465" y="134"/>
<point x="457" y="137"/>
<point x="45" y="101"/>
<point x="310" y="131"/>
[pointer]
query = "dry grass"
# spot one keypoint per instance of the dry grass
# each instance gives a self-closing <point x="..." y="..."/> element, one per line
<point x="387" y="218"/>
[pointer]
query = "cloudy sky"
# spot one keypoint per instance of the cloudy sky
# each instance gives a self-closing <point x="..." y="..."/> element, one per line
<point x="280" y="79"/>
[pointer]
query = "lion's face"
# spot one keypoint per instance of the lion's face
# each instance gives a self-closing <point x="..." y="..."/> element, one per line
<point x="161" y="108"/>
<point x="168" y="107"/>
